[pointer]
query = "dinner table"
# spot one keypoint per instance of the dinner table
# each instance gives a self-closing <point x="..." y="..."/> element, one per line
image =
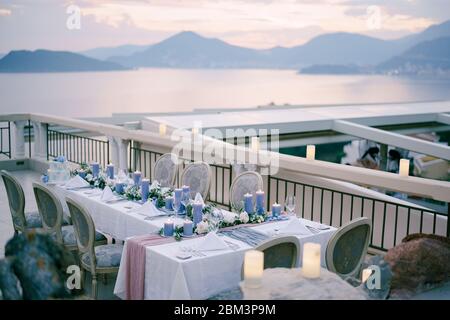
<point x="179" y="269"/>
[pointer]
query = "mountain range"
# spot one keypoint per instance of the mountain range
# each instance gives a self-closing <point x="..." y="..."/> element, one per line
<point x="53" y="61"/>
<point x="328" y="53"/>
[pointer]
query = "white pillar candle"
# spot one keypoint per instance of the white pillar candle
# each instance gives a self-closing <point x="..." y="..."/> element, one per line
<point x="404" y="167"/>
<point x="194" y="131"/>
<point x="311" y="260"/>
<point x="366" y="274"/>
<point x="253" y="268"/>
<point x="310" y="152"/>
<point x="255" y="144"/>
<point x="162" y="129"/>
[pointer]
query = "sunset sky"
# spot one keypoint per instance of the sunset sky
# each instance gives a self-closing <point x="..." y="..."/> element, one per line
<point x="31" y="24"/>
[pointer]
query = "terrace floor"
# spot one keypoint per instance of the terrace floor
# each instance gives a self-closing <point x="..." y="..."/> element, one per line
<point x="26" y="178"/>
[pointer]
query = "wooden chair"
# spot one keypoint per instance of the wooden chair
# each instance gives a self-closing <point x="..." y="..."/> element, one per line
<point x="16" y="198"/>
<point x="103" y="259"/>
<point x="197" y="176"/>
<point x="52" y="215"/>
<point x="166" y="170"/>
<point x="246" y="182"/>
<point x="347" y="247"/>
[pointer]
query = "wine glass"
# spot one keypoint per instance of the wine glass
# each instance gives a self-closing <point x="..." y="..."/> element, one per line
<point x="186" y="199"/>
<point x="176" y="207"/>
<point x="290" y="205"/>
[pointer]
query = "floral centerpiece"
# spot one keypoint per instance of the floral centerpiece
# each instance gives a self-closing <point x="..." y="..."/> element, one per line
<point x="101" y="181"/>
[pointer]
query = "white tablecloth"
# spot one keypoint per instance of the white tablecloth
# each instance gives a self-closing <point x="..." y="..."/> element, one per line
<point x="114" y="219"/>
<point x="168" y="277"/>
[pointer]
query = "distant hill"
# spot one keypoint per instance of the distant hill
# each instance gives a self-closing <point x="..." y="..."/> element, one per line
<point x="190" y="50"/>
<point x="332" y="69"/>
<point x="53" y="61"/>
<point x="104" y="53"/>
<point x="428" y="57"/>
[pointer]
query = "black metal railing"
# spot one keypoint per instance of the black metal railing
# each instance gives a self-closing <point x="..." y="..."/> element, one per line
<point x="5" y="138"/>
<point x="144" y="161"/>
<point x="391" y="221"/>
<point x="76" y="148"/>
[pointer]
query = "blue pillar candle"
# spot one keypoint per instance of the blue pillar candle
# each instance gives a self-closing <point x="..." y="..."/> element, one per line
<point x="110" y="171"/>
<point x="260" y="197"/>
<point x="145" y="187"/>
<point x="248" y="203"/>
<point x="137" y="176"/>
<point x="82" y="173"/>
<point x="95" y="169"/>
<point x="188" y="228"/>
<point x="44" y="178"/>
<point x="178" y="193"/>
<point x="186" y="189"/>
<point x="120" y="186"/>
<point x="197" y="212"/>
<point x="276" y="210"/>
<point x="169" y="203"/>
<point x="168" y="228"/>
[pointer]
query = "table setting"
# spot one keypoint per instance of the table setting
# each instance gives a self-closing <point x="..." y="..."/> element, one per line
<point x="175" y="245"/>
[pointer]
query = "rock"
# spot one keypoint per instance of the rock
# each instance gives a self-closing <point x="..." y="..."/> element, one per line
<point x="38" y="263"/>
<point x="419" y="263"/>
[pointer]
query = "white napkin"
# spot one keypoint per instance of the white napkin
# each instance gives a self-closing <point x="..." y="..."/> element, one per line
<point x="76" y="182"/>
<point x="212" y="242"/>
<point x="107" y="194"/>
<point x="149" y="209"/>
<point x="295" y="226"/>
<point x="154" y="184"/>
<point x="199" y="198"/>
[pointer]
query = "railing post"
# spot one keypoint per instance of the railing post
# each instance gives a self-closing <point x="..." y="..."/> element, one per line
<point x="40" y="140"/>
<point x="18" y="139"/>
<point x="448" y="219"/>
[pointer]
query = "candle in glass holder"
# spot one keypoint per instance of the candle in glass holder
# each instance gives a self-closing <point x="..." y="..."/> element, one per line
<point x="188" y="228"/>
<point x="310" y="152"/>
<point x="120" y="187"/>
<point x="260" y="196"/>
<point x="82" y="173"/>
<point x="197" y="212"/>
<point x="162" y="129"/>
<point x="248" y="203"/>
<point x="110" y="171"/>
<point x="95" y="169"/>
<point x="178" y="193"/>
<point x="311" y="260"/>
<point x="168" y="203"/>
<point x="168" y="228"/>
<point x="404" y="167"/>
<point x="255" y="144"/>
<point x="276" y="209"/>
<point x="145" y="187"/>
<point x="253" y="268"/>
<point x="366" y="274"/>
<point x="137" y="176"/>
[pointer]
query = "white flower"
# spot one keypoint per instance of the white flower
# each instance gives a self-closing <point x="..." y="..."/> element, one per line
<point x="202" y="227"/>
<point x="229" y="217"/>
<point x="89" y="177"/>
<point x="244" y="217"/>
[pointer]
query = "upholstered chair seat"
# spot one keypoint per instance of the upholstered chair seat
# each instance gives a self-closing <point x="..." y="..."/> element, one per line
<point x="107" y="256"/>
<point x="69" y="237"/>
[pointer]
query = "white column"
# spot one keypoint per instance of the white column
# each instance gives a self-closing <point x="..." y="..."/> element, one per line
<point x="40" y="140"/>
<point x="18" y="139"/>
<point x="122" y="146"/>
<point x="114" y="150"/>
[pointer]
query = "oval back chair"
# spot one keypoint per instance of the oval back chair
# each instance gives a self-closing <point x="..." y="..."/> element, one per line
<point x="16" y="201"/>
<point x="50" y="209"/>
<point x="197" y="176"/>
<point x="347" y="247"/>
<point x="246" y="182"/>
<point x="101" y="259"/>
<point x="166" y="168"/>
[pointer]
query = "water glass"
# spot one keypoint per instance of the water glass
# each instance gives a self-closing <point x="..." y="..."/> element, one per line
<point x="290" y="205"/>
